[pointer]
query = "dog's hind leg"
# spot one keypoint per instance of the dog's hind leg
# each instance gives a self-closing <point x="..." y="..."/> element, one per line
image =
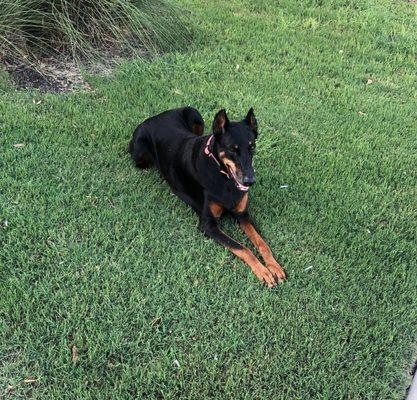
<point x="193" y="120"/>
<point x="209" y="225"/>
<point x="139" y="150"/>
<point x="144" y="160"/>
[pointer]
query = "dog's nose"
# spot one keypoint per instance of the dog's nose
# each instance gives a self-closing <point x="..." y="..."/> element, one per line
<point x="248" y="181"/>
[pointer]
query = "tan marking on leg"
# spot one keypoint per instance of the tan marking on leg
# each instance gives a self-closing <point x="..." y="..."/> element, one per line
<point x="216" y="210"/>
<point x="262" y="273"/>
<point x="264" y="250"/>
<point x="242" y="205"/>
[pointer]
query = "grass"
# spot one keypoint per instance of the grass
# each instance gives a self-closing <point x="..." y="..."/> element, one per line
<point x="100" y="256"/>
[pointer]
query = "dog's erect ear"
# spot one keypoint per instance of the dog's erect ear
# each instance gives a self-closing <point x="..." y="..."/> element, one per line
<point x="220" y="123"/>
<point x="250" y="120"/>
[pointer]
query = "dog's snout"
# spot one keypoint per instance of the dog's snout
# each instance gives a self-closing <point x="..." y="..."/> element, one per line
<point x="248" y="180"/>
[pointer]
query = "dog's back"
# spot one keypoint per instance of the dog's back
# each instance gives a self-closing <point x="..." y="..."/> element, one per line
<point x="163" y="134"/>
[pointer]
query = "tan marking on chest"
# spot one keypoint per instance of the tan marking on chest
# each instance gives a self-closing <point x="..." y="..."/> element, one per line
<point x="242" y="205"/>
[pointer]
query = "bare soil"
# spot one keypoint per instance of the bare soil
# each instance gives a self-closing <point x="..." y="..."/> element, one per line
<point x="50" y="75"/>
<point x="63" y="74"/>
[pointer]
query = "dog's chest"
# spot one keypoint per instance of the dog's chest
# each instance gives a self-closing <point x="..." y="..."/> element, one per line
<point x="230" y="196"/>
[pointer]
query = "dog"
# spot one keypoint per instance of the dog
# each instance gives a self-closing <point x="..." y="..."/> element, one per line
<point x="212" y="174"/>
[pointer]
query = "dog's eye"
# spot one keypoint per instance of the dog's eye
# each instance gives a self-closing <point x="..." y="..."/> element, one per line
<point x="234" y="148"/>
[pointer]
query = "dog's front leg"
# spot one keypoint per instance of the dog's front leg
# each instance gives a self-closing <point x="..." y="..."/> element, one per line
<point x="209" y="225"/>
<point x="246" y="225"/>
<point x="260" y="244"/>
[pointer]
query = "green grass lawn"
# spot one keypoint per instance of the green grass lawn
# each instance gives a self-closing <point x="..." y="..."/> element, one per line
<point x="98" y="255"/>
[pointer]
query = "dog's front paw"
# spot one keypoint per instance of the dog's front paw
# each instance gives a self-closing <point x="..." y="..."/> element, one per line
<point x="277" y="271"/>
<point x="265" y="276"/>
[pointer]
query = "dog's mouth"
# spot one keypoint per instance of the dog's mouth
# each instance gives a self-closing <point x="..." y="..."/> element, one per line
<point x="235" y="179"/>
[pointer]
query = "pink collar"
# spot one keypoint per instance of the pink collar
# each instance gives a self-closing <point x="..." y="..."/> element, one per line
<point x="209" y="153"/>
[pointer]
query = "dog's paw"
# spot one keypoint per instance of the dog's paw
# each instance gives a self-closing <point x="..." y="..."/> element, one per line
<point x="265" y="276"/>
<point x="277" y="271"/>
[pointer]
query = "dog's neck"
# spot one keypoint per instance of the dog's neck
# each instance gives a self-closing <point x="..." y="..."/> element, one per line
<point x="209" y="151"/>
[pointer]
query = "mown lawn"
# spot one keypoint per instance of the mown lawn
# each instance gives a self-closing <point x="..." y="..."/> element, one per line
<point x="97" y="255"/>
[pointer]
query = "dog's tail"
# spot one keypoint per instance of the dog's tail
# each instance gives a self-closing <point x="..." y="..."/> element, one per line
<point x="193" y="120"/>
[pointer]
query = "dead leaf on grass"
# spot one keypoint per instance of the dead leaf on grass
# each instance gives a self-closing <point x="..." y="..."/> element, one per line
<point x="19" y="145"/>
<point x="74" y="353"/>
<point x="155" y="321"/>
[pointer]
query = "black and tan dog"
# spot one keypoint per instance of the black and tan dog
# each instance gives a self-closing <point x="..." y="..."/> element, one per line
<point x="212" y="174"/>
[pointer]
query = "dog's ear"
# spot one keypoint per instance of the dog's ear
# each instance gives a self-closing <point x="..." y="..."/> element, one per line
<point x="220" y="123"/>
<point x="251" y="121"/>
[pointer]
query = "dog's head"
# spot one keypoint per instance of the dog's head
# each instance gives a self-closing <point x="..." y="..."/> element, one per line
<point x="235" y="146"/>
